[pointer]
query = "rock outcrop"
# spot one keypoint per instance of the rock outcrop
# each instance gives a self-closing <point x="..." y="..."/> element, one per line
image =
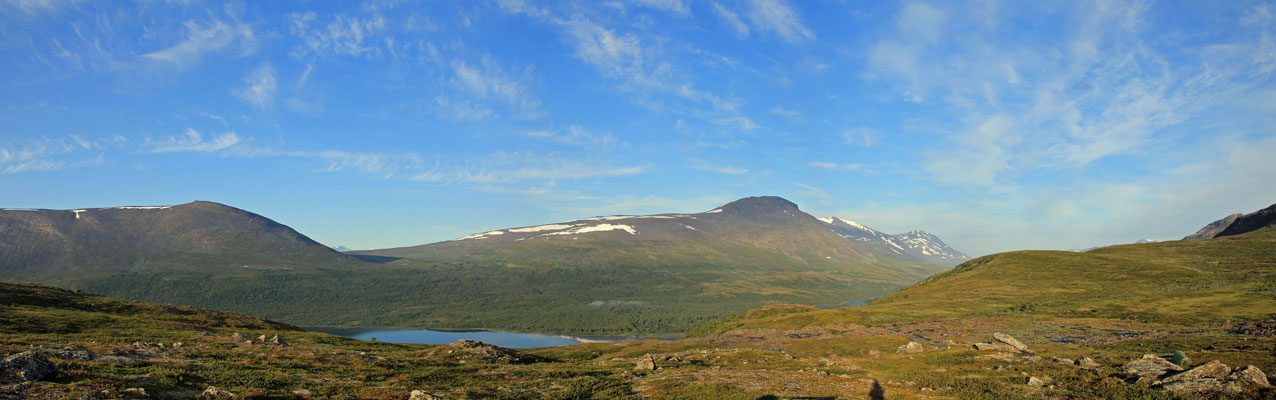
<point x="1148" y="369"/>
<point x="422" y="395"/>
<point x="646" y="363"/>
<point x="27" y="366"/>
<point x="1214" y="377"/>
<point x="215" y="393"/>
<point x="466" y="351"/>
<point x="1006" y="343"/>
<point x="911" y="347"/>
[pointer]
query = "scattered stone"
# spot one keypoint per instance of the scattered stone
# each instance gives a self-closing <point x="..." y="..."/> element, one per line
<point x="261" y="338"/>
<point x="135" y="392"/>
<point x="873" y="353"/>
<point x="994" y="347"/>
<point x="646" y="363"/>
<point x="237" y="337"/>
<point x="177" y="345"/>
<point x="421" y="395"/>
<point x="1265" y="328"/>
<point x="1148" y="369"/>
<point x="213" y="393"/>
<point x="278" y="341"/>
<point x="27" y="366"/>
<point x="911" y="347"/>
<point x="1064" y="361"/>
<point x="1012" y="342"/>
<point x="1033" y="381"/>
<point x="1087" y="363"/>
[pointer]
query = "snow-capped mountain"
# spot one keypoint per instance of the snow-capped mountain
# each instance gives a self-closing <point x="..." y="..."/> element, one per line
<point x="917" y="245"/>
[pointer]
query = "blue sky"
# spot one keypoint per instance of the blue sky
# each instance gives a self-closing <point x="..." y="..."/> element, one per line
<point x="996" y="125"/>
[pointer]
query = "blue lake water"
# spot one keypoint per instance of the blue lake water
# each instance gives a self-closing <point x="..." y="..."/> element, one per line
<point x="852" y="303"/>
<point x="503" y="339"/>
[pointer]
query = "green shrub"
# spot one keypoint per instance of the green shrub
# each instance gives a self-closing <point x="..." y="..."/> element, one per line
<point x="1180" y="358"/>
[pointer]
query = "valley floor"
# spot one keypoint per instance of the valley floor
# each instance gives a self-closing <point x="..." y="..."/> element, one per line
<point x="105" y="348"/>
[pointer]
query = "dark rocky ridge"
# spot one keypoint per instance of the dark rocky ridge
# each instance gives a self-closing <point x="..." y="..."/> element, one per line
<point x="1236" y="224"/>
<point x="1212" y="230"/>
<point x="1251" y="222"/>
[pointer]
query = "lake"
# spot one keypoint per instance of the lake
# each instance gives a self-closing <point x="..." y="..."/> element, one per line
<point x="504" y="339"/>
<point x="852" y="303"/>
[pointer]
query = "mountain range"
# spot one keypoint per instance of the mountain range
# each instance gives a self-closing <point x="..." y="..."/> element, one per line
<point x="1184" y="319"/>
<point x="618" y="274"/>
<point x="770" y="223"/>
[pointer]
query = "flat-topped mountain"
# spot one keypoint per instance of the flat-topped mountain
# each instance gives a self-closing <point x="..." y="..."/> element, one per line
<point x="130" y="238"/>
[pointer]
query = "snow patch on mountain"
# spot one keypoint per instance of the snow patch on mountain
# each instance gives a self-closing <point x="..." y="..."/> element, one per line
<point x="596" y="228"/>
<point x="540" y="228"/>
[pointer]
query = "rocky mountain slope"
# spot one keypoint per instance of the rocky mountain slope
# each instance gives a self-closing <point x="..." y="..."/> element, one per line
<point x="768" y="224"/>
<point x="1236" y="224"/>
<point x="916" y="245"/>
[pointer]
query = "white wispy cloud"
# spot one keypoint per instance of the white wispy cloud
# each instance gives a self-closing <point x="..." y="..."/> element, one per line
<point x="1099" y="92"/>
<point x="202" y="39"/>
<point x="575" y="135"/>
<point x="192" y="141"/>
<point x="42" y="155"/>
<point x="259" y="87"/>
<point x="833" y="165"/>
<point x="616" y="55"/>
<point x="811" y="192"/>
<point x="778" y="17"/>
<point x="721" y="169"/>
<point x="35" y="7"/>
<point x="342" y="35"/>
<point x="649" y="204"/>
<point x="506" y="168"/>
<point x="675" y="7"/>
<point x="732" y="20"/>
<point x="488" y="81"/>
<point x="784" y="112"/>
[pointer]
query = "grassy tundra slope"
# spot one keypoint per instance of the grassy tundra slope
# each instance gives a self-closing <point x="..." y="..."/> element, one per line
<point x="1190" y="282"/>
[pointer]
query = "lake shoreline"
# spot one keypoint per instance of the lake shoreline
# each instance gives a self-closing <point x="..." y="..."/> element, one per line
<point x="495" y="337"/>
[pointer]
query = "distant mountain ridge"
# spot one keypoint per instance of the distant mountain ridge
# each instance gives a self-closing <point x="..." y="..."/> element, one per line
<point x="129" y="238"/>
<point x="917" y="245"/>
<point x="766" y="221"/>
<point x="1236" y="224"/>
<point x="654" y="274"/>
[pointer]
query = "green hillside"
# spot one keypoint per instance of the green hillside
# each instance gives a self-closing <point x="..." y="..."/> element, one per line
<point x="1190" y="282"/>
